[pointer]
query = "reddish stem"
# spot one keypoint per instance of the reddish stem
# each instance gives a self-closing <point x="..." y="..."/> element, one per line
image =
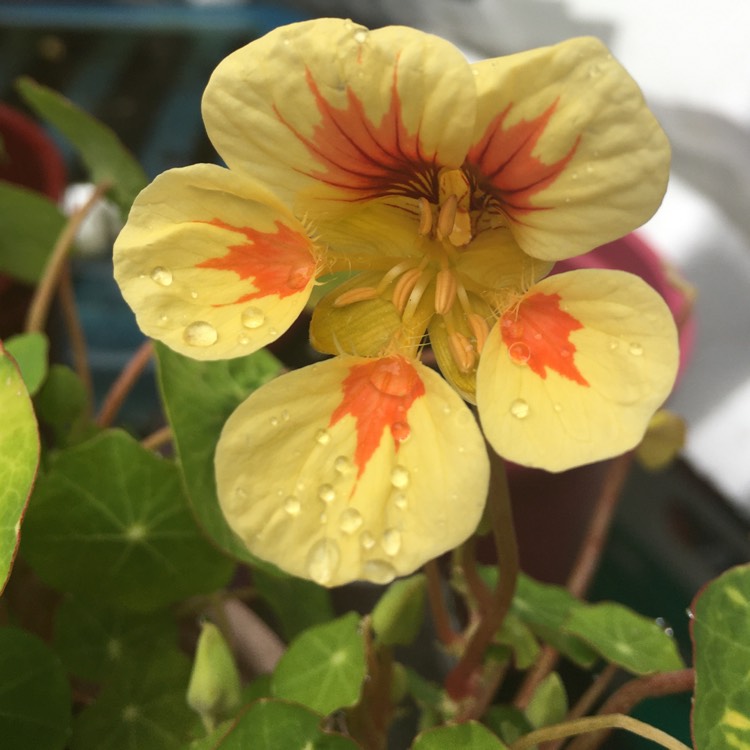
<point x="120" y="389"/>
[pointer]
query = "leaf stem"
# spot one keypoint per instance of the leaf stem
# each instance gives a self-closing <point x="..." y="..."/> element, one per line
<point x="476" y="586"/>
<point x="595" y="724"/>
<point x="458" y="684"/>
<point x="158" y="438"/>
<point x="124" y="383"/>
<point x="41" y="302"/>
<point x="440" y="615"/>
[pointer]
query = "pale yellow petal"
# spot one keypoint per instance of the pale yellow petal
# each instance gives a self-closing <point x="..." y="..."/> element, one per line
<point x="352" y="469"/>
<point x="567" y="147"/>
<point x="574" y="373"/>
<point x="328" y="104"/>
<point x="213" y="265"/>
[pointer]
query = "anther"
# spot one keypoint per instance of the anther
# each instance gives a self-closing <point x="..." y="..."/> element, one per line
<point x="358" y="294"/>
<point x="462" y="351"/>
<point x="425" y="217"/>
<point x="479" y="328"/>
<point x="447" y="217"/>
<point x="445" y="291"/>
<point x="404" y="287"/>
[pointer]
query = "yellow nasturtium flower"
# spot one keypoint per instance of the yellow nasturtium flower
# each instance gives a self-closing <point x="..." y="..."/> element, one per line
<point x="445" y="190"/>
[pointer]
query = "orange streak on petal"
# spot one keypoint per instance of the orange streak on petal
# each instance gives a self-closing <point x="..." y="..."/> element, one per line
<point x="379" y="394"/>
<point x="280" y="262"/>
<point x="537" y="334"/>
<point x="506" y="166"/>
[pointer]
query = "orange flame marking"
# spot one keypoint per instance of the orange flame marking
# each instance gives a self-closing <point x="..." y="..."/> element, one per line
<point x="537" y="334"/>
<point x="280" y="262"/>
<point x="379" y="394"/>
<point x="506" y="166"/>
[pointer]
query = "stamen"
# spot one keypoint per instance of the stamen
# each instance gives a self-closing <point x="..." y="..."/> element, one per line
<point x="462" y="351"/>
<point x="416" y="295"/>
<point x="395" y="272"/>
<point x="447" y="217"/>
<point x="404" y="287"/>
<point x="461" y="233"/>
<point x="425" y="217"/>
<point x="358" y="294"/>
<point x="479" y="328"/>
<point x="445" y="291"/>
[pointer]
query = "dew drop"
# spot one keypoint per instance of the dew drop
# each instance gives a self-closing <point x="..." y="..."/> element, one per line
<point x="400" y="500"/>
<point x="613" y="345"/>
<point x="391" y="542"/>
<point x="446" y="409"/>
<point x="324" y="518"/>
<point x="360" y="36"/>
<point x="350" y="520"/>
<point x="274" y="421"/>
<point x="292" y="506"/>
<point x="513" y="328"/>
<point x="163" y="320"/>
<point x="378" y="571"/>
<point x="200" y="333"/>
<point x="253" y="317"/>
<point x="342" y="465"/>
<point x="323" y="561"/>
<point x="367" y="540"/>
<point x="557" y="407"/>
<point x="635" y="349"/>
<point x="326" y="493"/>
<point x="161" y="276"/>
<point x="519" y="409"/>
<point x="243" y="340"/>
<point x="519" y="352"/>
<point x="298" y="277"/>
<point x="241" y="492"/>
<point x="285" y="416"/>
<point x="400" y="431"/>
<point x="322" y="437"/>
<point x="400" y="477"/>
<point x="193" y="294"/>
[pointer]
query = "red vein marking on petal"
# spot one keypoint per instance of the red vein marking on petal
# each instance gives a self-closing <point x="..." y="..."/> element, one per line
<point x="537" y="334"/>
<point x="378" y="394"/>
<point x="506" y="166"/>
<point x="362" y="157"/>
<point x="280" y="262"/>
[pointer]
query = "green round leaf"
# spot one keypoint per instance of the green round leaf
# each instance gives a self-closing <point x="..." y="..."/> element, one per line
<point x="399" y="613"/>
<point x="110" y="522"/>
<point x="19" y="458"/>
<point x="624" y="637"/>
<point x="142" y="707"/>
<point x="62" y="404"/>
<point x="324" y="667"/>
<point x="34" y="694"/>
<point x="30" y="352"/>
<point x="549" y="704"/>
<point x="468" y="736"/>
<point x="94" y="640"/>
<point x="721" y="644"/>
<point x="276" y="725"/>
<point x="198" y="399"/>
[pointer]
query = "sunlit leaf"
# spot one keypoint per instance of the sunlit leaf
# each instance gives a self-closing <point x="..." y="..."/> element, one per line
<point x="399" y="613"/>
<point x="624" y="637"/>
<point x="198" y="398"/>
<point x="324" y="667"/>
<point x="109" y="521"/>
<point x="94" y="640"/>
<point x="283" y="594"/>
<point x="29" y="226"/>
<point x="721" y="646"/>
<point x="142" y="707"/>
<point x="29" y="350"/>
<point x="19" y="458"/>
<point x="101" y="150"/>
<point x="468" y="735"/>
<point x="35" y="710"/>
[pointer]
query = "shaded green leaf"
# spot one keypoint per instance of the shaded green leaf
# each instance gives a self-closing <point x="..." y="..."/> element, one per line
<point x="623" y="637"/>
<point x="507" y="722"/>
<point x="399" y="613"/>
<point x="19" y="458"/>
<point x="142" y="707"/>
<point x="549" y="704"/>
<point x="198" y="398"/>
<point x="106" y="159"/>
<point x="518" y="636"/>
<point x="30" y="353"/>
<point x="94" y="640"/>
<point x="720" y="631"/>
<point x="62" y="404"/>
<point x="29" y="226"/>
<point x="427" y="695"/>
<point x="35" y="709"/>
<point x="276" y="725"/>
<point x="468" y="736"/>
<point x="284" y="593"/>
<point x="324" y="667"/>
<point x="109" y="521"/>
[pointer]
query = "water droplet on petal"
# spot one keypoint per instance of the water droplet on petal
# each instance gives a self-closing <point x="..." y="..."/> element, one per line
<point x="324" y="518"/>
<point x="193" y="294"/>
<point x="635" y="349"/>
<point x="360" y="36"/>
<point x="292" y="506"/>
<point x="163" y="320"/>
<point x="400" y="501"/>
<point x="326" y="493"/>
<point x="557" y="407"/>
<point x="613" y="345"/>
<point x="519" y="409"/>
<point x="200" y="333"/>
<point x="253" y="317"/>
<point x="298" y="277"/>
<point x="378" y="571"/>
<point x="519" y="352"/>
<point x="391" y="542"/>
<point x="323" y="561"/>
<point x="367" y="540"/>
<point x="342" y="465"/>
<point x="285" y="416"/>
<point x="400" y="477"/>
<point x="350" y="520"/>
<point x="243" y="340"/>
<point x="322" y="437"/>
<point x="400" y="431"/>
<point x="274" y="421"/>
<point x="161" y="276"/>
